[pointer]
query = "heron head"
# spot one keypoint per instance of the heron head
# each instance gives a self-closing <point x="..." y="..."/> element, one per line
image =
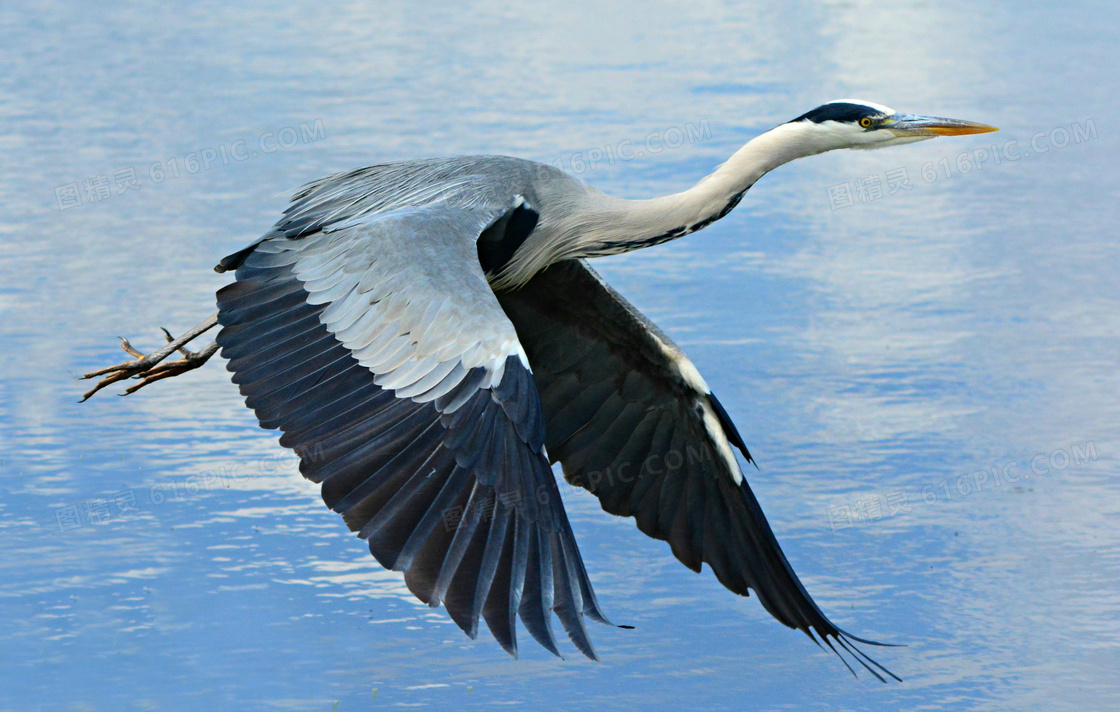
<point x="849" y="123"/>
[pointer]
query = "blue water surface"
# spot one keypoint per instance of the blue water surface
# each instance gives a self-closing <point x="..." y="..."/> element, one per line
<point x="918" y="344"/>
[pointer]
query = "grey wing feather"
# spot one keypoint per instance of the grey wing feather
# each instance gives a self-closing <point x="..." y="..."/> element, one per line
<point x="376" y="345"/>
<point x="472" y="182"/>
<point x="631" y="420"/>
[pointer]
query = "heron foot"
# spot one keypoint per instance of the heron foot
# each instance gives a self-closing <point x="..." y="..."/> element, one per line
<point x="150" y="368"/>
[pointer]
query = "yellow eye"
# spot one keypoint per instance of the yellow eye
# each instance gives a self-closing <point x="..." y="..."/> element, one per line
<point x="865" y="122"/>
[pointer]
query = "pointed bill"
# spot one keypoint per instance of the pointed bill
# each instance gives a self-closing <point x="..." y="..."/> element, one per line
<point x="913" y="125"/>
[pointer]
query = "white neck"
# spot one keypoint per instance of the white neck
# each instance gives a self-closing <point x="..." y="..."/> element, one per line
<point x="639" y="223"/>
<point x="599" y="224"/>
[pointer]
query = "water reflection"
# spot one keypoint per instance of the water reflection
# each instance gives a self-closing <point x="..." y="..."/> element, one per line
<point x="888" y="346"/>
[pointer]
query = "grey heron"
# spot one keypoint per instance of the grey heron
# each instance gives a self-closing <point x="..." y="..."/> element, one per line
<point x="429" y="338"/>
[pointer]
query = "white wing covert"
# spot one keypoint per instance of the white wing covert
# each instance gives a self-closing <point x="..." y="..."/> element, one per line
<point x="378" y="348"/>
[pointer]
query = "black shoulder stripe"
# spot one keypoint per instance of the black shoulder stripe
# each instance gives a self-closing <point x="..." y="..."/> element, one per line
<point x="498" y="243"/>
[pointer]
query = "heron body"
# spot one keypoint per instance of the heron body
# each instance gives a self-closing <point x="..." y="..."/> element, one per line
<point x="428" y="337"/>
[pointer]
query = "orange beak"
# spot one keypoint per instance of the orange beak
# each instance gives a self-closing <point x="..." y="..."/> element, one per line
<point x="912" y="125"/>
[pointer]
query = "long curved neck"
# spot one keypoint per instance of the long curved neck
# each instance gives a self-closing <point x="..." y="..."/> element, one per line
<point x="595" y="224"/>
<point x="634" y="224"/>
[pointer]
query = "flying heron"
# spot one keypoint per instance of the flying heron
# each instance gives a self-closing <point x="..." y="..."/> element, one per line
<point x="430" y="339"/>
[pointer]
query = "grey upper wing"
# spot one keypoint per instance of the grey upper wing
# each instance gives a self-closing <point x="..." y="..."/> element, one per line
<point x="631" y="420"/>
<point x="378" y="348"/>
